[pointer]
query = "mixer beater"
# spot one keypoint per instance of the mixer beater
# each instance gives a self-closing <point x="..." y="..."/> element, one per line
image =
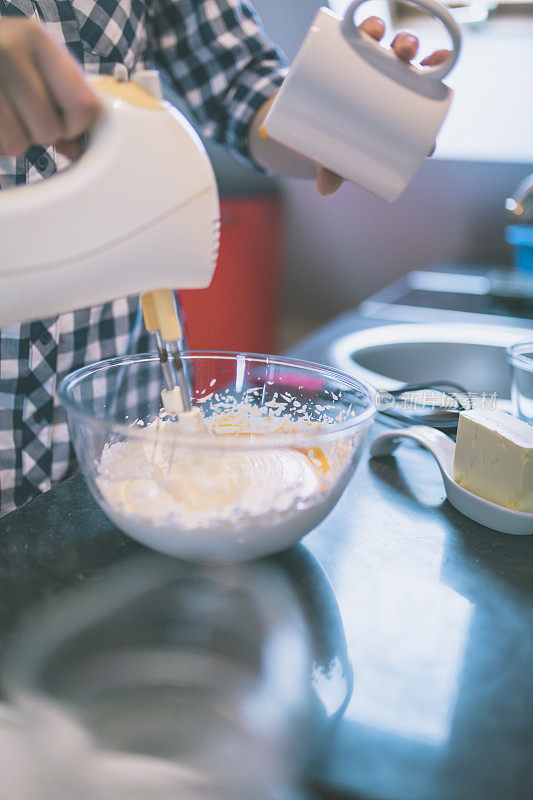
<point x="161" y="318"/>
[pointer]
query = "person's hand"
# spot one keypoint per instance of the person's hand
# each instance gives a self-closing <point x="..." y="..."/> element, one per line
<point x="44" y="98"/>
<point x="405" y="45"/>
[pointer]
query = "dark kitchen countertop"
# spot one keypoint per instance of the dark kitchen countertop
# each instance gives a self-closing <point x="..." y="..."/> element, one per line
<point x="437" y="614"/>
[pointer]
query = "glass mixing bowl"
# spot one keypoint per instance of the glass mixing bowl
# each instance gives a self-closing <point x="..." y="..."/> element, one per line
<point x="280" y="440"/>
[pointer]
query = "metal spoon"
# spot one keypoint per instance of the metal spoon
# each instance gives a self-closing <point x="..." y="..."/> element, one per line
<point x="442" y="448"/>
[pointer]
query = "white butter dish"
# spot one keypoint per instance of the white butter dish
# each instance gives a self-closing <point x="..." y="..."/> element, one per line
<point x="442" y="448"/>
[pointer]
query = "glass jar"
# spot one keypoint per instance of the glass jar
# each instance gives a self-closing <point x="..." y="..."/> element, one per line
<point x="520" y="358"/>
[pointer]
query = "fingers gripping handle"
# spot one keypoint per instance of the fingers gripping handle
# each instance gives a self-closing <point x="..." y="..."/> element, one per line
<point x="437" y="73"/>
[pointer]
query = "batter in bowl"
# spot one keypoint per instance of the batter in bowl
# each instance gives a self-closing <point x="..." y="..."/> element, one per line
<point x="205" y="497"/>
<point x="206" y="487"/>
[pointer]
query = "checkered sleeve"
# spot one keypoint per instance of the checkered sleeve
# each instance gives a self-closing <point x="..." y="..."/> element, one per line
<point x="220" y="61"/>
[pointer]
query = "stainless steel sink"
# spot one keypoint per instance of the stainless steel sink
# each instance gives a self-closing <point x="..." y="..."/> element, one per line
<point x="470" y="354"/>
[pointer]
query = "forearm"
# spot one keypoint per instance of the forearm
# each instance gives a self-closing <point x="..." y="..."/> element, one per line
<point x="219" y="59"/>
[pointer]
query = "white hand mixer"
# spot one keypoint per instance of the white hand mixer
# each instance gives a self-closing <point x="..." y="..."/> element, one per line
<point x="138" y="212"/>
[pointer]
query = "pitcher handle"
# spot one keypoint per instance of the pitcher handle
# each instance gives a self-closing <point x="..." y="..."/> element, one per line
<point x="352" y="33"/>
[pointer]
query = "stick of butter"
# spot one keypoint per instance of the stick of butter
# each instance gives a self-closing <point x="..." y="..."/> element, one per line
<point x="494" y="458"/>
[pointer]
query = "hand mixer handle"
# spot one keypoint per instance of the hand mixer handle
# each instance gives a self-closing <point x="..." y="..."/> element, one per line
<point x="139" y="210"/>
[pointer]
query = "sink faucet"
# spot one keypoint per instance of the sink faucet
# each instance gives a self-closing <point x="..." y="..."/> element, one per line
<point x="520" y="205"/>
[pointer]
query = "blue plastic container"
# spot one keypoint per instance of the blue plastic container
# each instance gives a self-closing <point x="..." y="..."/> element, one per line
<point x="521" y="239"/>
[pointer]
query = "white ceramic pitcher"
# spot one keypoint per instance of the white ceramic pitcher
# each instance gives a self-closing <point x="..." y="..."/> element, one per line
<point x="356" y="108"/>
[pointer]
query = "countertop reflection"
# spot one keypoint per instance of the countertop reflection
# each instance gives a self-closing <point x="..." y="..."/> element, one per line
<point x="438" y="617"/>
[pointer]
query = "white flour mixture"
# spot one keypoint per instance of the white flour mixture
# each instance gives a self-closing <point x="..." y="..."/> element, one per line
<point x="172" y="483"/>
<point x="225" y="494"/>
<point x="202" y="490"/>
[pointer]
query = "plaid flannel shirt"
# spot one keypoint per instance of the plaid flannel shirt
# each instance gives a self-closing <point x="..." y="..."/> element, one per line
<point x="217" y="57"/>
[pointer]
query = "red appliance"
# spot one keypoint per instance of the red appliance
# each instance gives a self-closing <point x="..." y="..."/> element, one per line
<point x="240" y="310"/>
